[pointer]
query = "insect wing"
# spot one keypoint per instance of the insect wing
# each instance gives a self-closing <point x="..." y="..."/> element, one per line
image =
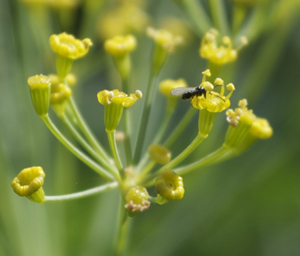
<point x="182" y="90"/>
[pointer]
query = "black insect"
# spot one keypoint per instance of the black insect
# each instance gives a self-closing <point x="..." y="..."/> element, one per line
<point x="189" y="92"/>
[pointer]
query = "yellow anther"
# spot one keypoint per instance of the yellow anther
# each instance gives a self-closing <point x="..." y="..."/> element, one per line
<point x="219" y="81"/>
<point x="240" y="120"/>
<point x="138" y="94"/>
<point x="243" y="103"/>
<point x="207" y="86"/>
<point x="159" y="154"/>
<point x="206" y="73"/>
<point x="169" y="185"/>
<point x="120" y="45"/>
<point x="230" y="87"/>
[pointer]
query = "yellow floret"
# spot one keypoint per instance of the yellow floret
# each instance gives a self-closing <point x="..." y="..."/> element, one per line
<point x="169" y="185"/>
<point x="68" y="46"/>
<point x="120" y="45"/>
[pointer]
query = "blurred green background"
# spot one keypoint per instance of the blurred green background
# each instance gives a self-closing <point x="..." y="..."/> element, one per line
<point x="249" y="205"/>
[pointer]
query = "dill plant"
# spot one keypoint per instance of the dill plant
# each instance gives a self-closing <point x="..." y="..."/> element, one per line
<point x="147" y="166"/>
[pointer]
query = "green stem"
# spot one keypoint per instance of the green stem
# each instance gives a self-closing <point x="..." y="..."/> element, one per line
<point x="82" y="194"/>
<point x="127" y="129"/>
<point x="89" y="162"/>
<point x="86" y="131"/>
<point x="210" y="159"/>
<point x="195" y="143"/>
<point x="86" y="146"/>
<point x="197" y="14"/>
<point x="239" y="14"/>
<point x="157" y="137"/>
<point x="215" y="70"/>
<point x="252" y="28"/>
<point x="114" y="150"/>
<point x="122" y="229"/>
<point x="180" y="127"/>
<point x="218" y="12"/>
<point x="145" y="116"/>
<point x="146" y="170"/>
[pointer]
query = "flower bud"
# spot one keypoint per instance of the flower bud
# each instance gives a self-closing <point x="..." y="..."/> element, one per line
<point x="40" y="87"/>
<point x="159" y="154"/>
<point x="169" y="185"/>
<point x="29" y="183"/>
<point x="137" y="200"/>
<point x="67" y="49"/>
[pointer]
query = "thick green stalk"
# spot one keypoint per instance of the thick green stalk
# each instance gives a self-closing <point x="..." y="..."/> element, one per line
<point x="198" y="16"/>
<point x="122" y="229"/>
<point x="145" y="116"/>
<point x="218" y="12"/>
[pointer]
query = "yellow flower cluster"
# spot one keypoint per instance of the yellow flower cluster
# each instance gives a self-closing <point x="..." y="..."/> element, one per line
<point x="241" y="114"/>
<point x="68" y="46"/>
<point x="120" y="45"/>
<point x="164" y="38"/>
<point x="106" y="97"/>
<point x="219" y="55"/>
<point x="213" y="101"/>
